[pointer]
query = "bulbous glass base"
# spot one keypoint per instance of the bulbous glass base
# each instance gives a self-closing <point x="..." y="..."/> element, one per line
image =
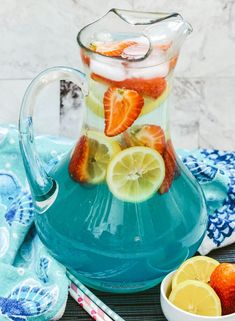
<point x="119" y="246"/>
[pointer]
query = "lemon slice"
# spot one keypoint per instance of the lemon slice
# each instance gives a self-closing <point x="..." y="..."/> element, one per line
<point x="94" y="100"/>
<point x="151" y="104"/>
<point x="91" y="156"/>
<point x="135" y="174"/>
<point x="197" y="268"/>
<point x="101" y="150"/>
<point x="196" y="297"/>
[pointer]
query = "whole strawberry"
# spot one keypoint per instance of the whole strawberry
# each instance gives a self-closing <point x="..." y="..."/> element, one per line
<point x="223" y="282"/>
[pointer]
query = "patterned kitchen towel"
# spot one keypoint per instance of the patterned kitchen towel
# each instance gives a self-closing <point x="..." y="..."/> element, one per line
<point x="215" y="172"/>
<point x="34" y="285"/>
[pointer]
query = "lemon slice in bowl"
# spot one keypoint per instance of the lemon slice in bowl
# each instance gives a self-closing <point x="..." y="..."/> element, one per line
<point x="135" y="174"/>
<point x="91" y="157"/>
<point x="197" y="268"/>
<point x="196" y="297"/>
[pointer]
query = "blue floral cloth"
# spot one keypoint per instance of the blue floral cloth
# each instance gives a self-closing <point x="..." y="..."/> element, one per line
<point x="34" y="285"/>
<point x="215" y="172"/>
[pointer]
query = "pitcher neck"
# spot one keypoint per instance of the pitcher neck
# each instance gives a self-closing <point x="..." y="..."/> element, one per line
<point x="153" y="89"/>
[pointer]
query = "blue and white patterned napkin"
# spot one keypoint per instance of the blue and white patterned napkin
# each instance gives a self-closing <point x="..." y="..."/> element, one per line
<point x="34" y="285"/>
<point x="215" y="172"/>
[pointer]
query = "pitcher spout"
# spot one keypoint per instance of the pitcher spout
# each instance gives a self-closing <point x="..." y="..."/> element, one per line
<point x="169" y="34"/>
<point x="166" y="31"/>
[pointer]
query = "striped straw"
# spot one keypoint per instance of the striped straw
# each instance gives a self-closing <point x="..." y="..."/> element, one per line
<point x="85" y="302"/>
<point x="90" y="303"/>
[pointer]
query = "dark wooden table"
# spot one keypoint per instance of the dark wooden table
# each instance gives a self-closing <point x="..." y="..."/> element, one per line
<point x="143" y="306"/>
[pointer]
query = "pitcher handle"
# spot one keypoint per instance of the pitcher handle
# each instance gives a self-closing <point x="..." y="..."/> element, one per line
<point x="42" y="186"/>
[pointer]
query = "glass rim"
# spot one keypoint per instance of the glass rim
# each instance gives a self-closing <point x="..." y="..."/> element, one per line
<point x="121" y="13"/>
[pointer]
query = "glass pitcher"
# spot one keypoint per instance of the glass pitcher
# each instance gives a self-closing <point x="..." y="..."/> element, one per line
<point x="120" y="210"/>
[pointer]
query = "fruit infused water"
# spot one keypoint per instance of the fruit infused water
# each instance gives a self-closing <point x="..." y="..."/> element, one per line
<point x="127" y="210"/>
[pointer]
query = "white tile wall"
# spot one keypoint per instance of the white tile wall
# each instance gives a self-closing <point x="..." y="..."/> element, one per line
<point x="37" y="34"/>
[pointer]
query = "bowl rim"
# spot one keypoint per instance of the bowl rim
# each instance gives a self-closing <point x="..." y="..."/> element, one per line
<point x="163" y="295"/>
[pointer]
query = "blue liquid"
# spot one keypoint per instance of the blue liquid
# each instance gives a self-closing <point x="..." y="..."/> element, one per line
<point x="118" y="246"/>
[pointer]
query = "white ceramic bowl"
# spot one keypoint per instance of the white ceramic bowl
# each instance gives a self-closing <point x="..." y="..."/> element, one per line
<point x="172" y="313"/>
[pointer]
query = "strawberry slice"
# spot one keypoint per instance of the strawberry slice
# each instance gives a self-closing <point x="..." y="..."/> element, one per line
<point x="150" y="87"/>
<point x="111" y="48"/>
<point x="170" y="167"/>
<point x="121" y="108"/>
<point x="85" y="58"/>
<point x="146" y="135"/>
<point x="153" y="87"/>
<point x="79" y="161"/>
<point x="164" y="47"/>
<point x="173" y="62"/>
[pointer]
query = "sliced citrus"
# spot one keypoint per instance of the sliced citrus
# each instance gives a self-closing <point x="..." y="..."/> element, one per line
<point x="135" y="174"/>
<point x="223" y="282"/>
<point x="95" y="104"/>
<point x="196" y="297"/>
<point x="151" y="104"/>
<point x="94" y="100"/>
<point x="197" y="268"/>
<point x="91" y="156"/>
